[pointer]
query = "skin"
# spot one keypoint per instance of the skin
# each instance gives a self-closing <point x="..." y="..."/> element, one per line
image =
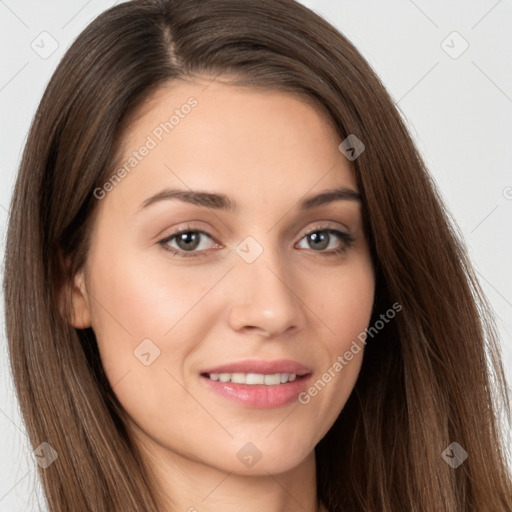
<point x="266" y="150"/>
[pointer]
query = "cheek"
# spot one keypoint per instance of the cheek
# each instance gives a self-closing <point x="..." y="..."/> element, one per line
<point x="148" y="319"/>
<point x="140" y="308"/>
<point x="346" y="306"/>
<point x="346" y="302"/>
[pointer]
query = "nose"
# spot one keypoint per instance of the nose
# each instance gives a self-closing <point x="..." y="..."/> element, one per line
<point x="264" y="300"/>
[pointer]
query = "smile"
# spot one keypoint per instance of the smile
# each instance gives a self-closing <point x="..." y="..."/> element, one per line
<point x="256" y="383"/>
<point x="252" y="379"/>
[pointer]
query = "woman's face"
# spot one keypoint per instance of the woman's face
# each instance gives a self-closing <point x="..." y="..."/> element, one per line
<point x="271" y="274"/>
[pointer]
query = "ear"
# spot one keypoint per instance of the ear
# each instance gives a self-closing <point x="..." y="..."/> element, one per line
<point x="74" y="301"/>
<point x="80" y="314"/>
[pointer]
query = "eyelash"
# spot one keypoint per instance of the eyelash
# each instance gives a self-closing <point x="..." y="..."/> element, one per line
<point x="346" y="238"/>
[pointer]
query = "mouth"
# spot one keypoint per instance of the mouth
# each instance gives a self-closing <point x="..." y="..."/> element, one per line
<point x="258" y="384"/>
<point x="254" y="379"/>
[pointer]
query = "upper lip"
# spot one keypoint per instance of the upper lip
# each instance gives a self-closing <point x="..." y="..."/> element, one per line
<point x="261" y="366"/>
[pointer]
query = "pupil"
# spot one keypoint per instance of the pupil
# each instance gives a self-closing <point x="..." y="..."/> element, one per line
<point x="319" y="240"/>
<point x="188" y="241"/>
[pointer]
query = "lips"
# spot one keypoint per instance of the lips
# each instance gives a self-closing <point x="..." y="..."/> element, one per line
<point x="258" y="383"/>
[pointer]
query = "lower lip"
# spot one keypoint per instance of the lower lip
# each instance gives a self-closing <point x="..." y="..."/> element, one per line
<point x="258" y="396"/>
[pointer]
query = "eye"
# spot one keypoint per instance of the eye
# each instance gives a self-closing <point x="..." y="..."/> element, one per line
<point x="326" y="240"/>
<point x="188" y="241"/>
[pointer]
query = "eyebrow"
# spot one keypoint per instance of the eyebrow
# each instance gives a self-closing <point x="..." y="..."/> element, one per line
<point x="223" y="202"/>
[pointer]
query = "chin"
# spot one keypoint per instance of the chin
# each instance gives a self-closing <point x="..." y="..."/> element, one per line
<point x="262" y="456"/>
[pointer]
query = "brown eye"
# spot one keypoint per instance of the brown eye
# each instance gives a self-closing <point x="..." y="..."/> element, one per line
<point x="190" y="241"/>
<point x="319" y="240"/>
<point x="327" y="240"/>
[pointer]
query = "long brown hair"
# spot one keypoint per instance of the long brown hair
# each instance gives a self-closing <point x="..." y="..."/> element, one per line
<point x="430" y="377"/>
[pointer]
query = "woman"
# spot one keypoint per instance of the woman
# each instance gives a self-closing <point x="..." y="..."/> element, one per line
<point x="231" y="284"/>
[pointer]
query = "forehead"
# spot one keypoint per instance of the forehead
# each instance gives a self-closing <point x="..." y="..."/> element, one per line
<point x="211" y="135"/>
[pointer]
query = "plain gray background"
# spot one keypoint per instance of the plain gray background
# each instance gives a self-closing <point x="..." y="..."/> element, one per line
<point x="447" y="64"/>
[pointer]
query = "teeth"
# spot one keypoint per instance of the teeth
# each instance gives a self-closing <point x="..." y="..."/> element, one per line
<point x="250" y="378"/>
<point x="254" y="378"/>
<point x="238" y="378"/>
